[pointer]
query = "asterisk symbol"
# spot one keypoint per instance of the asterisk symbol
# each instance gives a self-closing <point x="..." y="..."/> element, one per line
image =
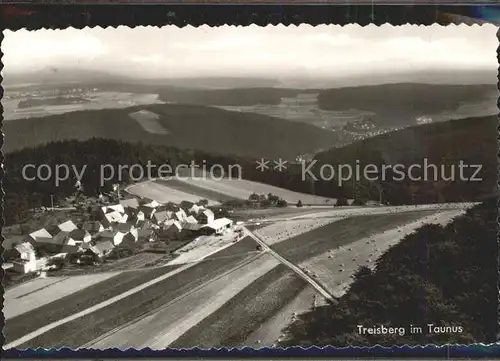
<point x="262" y="164"/>
<point x="280" y="165"/>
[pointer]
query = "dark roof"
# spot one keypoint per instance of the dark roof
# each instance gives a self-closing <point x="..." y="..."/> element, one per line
<point x="58" y="240"/>
<point x="70" y="249"/>
<point x="79" y="234"/>
<point x="92" y="226"/>
<point x="122" y="227"/>
<point x="191" y="226"/>
<point x="53" y="230"/>
<point x="10" y="242"/>
<point x="108" y="233"/>
<point x="145" y="232"/>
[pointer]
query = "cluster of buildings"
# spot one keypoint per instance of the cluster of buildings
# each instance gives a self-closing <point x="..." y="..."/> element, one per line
<point x="122" y="225"/>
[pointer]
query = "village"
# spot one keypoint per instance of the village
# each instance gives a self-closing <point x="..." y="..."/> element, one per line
<point x="118" y="227"/>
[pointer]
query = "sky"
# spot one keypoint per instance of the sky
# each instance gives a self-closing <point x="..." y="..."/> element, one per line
<point x="171" y="52"/>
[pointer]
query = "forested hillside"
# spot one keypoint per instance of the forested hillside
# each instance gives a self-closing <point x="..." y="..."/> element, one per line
<point x="188" y="126"/>
<point x="393" y="102"/>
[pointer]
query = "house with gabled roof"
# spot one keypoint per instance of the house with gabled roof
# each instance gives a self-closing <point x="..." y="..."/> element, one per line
<point x="152" y="204"/>
<point x="147" y="234"/>
<point x="27" y="258"/>
<point x="220" y="225"/>
<point x="160" y="217"/>
<point x="113" y="208"/>
<point x="130" y="203"/>
<point x="191" y="220"/>
<point x="206" y="217"/>
<point x="191" y="226"/>
<point x="180" y="215"/>
<point x="52" y="245"/>
<point x="171" y="227"/>
<point x="93" y="227"/>
<point x="102" y="249"/>
<point x="41" y="233"/>
<point x="80" y="236"/>
<point x="25" y="251"/>
<point x="114" y="236"/>
<point x="114" y="217"/>
<point x="67" y="226"/>
<point x="196" y="209"/>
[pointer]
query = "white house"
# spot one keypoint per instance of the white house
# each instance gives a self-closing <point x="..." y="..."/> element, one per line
<point x="181" y="215"/>
<point x="27" y="259"/>
<point x="115" y="207"/>
<point x="103" y="248"/>
<point x="196" y="209"/>
<point x="25" y="250"/>
<point x="115" y="217"/>
<point x="220" y="225"/>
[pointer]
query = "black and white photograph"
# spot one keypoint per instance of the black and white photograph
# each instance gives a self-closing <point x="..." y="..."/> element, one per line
<point x="250" y="186"/>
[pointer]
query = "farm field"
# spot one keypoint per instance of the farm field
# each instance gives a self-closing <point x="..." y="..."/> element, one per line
<point x="81" y="331"/>
<point x="149" y="121"/>
<point x="258" y="302"/>
<point x="195" y="190"/>
<point x="97" y="100"/>
<point x="320" y="240"/>
<point x="364" y="251"/>
<point x="79" y="300"/>
<point x="164" y="194"/>
<point x="270" y="331"/>
<point x="38" y="292"/>
<point x="242" y="189"/>
<point x="159" y="329"/>
<point x="286" y="229"/>
<point x="344" y="212"/>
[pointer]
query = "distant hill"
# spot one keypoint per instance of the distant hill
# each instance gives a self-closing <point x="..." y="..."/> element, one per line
<point x="191" y="127"/>
<point x="395" y="103"/>
<point x="228" y="97"/>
